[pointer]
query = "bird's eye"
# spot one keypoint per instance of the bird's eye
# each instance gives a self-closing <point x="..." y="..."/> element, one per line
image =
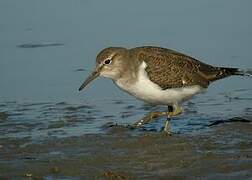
<point x="108" y="61"/>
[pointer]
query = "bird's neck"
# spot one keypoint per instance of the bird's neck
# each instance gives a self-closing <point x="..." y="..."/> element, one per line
<point x="128" y="78"/>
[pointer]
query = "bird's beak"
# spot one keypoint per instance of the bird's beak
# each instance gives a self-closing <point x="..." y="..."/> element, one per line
<point x="90" y="78"/>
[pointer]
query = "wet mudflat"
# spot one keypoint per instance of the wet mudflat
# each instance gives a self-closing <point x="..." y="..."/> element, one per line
<point x="221" y="151"/>
<point x="92" y="140"/>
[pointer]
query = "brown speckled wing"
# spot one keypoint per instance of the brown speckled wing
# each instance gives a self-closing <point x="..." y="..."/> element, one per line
<point x="171" y="69"/>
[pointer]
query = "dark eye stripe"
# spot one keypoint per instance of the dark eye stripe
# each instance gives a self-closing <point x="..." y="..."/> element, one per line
<point x="114" y="56"/>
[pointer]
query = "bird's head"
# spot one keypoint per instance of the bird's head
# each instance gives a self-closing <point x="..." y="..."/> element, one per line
<point x="109" y="63"/>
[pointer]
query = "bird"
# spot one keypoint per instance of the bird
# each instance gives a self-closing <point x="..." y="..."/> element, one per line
<point x="158" y="76"/>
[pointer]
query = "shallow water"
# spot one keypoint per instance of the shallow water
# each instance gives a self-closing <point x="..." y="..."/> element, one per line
<point x="47" y="49"/>
<point x="42" y="120"/>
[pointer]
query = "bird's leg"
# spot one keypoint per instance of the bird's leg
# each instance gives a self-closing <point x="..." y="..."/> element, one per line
<point x="149" y="117"/>
<point x="167" y="128"/>
<point x="172" y="111"/>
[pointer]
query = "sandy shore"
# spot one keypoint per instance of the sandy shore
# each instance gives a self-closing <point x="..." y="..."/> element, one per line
<point x="222" y="151"/>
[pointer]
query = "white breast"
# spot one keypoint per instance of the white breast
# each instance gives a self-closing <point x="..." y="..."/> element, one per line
<point x="150" y="92"/>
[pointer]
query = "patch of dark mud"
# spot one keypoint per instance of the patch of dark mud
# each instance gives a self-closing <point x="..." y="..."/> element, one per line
<point x="130" y="107"/>
<point x="126" y="114"/>
<point x="232" y="120"/>
<point x="3" y="116"/>
<point x="30" y="45"/>
<point x="61" y="104"/>
<point x="80" y="70"/>
<point x="77" y="108"/>
<point x="2" y="105"/>
<point x="57" y="124"/>
<point x="118" y="102"/>
<point x="108" y="117"/>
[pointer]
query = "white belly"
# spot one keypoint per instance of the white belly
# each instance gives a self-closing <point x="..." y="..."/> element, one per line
<point x="150" y="92"/>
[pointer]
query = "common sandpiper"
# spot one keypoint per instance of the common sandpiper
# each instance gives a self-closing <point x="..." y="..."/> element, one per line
<point x="158" y="76"/>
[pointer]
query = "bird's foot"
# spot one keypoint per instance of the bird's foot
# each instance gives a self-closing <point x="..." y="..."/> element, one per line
<point x="149" y="117"/>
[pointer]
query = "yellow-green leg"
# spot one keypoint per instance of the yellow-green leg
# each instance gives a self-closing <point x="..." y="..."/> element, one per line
<point x="149" y="117"/>
<point x="172" y="111"/>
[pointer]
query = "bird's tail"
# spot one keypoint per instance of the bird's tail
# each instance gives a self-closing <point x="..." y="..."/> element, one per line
<point x="222" y="72"/>
<point x="225" y="72"/>
<point x="243" y="72"/>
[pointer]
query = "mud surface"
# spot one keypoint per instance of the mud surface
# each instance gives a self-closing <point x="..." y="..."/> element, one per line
<point x="223" y="151"/>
